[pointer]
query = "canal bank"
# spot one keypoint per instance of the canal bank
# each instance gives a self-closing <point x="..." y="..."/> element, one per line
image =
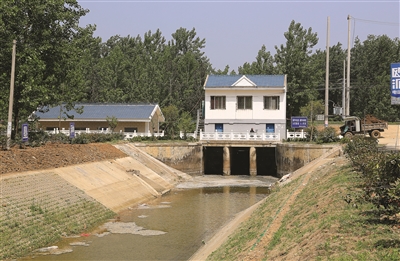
<point x="39" y="207"/>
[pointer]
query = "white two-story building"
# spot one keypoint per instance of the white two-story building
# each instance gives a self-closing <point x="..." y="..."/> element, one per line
<point x="237" y="105"/>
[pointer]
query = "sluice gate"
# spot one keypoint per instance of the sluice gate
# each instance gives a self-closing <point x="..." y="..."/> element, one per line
<point x="246" y="160"/>
<point x="235" y="158"/>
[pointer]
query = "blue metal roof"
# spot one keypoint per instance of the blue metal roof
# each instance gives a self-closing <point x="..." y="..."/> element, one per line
<point x="258" y="80"/>
<point x="101" y="111"/>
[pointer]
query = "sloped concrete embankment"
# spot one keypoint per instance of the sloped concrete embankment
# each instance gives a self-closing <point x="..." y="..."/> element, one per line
<point x="38" y="207"/>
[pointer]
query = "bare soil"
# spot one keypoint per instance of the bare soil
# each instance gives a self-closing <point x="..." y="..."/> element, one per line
<point x="55" y="156"/>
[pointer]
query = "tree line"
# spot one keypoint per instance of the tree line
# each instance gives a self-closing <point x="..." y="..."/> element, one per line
<point x="59" y="62"/>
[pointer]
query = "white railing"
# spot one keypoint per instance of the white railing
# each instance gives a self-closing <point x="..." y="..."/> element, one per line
<point x="188" y="135"/>
<point x="127" y="135"/>
<point x="296" y="135"/>
<point x="237" y="136"/>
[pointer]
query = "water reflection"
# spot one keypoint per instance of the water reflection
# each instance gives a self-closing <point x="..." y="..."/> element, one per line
<point x="185" y="219"/>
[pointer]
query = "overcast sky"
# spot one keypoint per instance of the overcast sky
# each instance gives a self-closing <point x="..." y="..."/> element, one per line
<point x="236" y="30"/>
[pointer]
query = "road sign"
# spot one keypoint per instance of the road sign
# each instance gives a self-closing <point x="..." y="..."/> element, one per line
<point x="299" y="122"/>
<point x="72" y="130"/>
<point x="395" y="83"/>
<point x="24" y="132"/>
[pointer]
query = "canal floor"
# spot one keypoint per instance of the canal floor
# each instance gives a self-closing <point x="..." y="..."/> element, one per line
<point x="172" y="227"/>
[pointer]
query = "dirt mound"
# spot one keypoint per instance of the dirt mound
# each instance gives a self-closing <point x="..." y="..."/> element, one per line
<point x="55" y="156"/>
<point x="372" y="119"/>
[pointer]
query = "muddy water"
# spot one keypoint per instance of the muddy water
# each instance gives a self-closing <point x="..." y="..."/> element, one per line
<point x="172" y="227"/>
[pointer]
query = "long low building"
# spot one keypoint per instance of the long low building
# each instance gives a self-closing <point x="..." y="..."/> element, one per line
<point x="86" y="117"/>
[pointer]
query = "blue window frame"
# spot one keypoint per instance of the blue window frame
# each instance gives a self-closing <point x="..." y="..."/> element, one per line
<point x="270" y="128"/>
<point x="219" y="127"/>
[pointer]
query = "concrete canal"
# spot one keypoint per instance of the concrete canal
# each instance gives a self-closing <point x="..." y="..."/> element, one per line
<point x="171" y="227"/>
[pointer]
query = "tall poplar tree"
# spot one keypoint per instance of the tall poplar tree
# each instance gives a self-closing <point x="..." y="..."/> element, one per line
<point x="370" y="77"/>
<point x="294" y="60"/>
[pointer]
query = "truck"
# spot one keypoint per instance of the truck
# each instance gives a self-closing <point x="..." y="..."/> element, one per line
<point x="354" y="125"/>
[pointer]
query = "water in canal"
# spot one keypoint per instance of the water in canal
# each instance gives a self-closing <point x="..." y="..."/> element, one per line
<point x="172" y="227"/>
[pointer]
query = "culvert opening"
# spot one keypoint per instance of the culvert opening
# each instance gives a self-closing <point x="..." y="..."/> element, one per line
<point x="266" y="161"/>
<point x="240" y="160"/>
<point x="213" y="160"/>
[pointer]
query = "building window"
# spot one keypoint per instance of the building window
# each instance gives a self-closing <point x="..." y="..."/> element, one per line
<point x="244" y="102"/>
<point x="219" y="127"/>
<point x="271" y="102"/>
<point x="218" y="103"/>
<point x="130" y="129"/>
<point x="270" y="128"/>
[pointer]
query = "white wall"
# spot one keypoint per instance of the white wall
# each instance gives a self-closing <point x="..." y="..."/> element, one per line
<point x="232" y="114"/>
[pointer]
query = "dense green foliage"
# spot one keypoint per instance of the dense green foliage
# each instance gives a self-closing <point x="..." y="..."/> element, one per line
<point x="380" y="173"/>
<point x="59" y="62"/>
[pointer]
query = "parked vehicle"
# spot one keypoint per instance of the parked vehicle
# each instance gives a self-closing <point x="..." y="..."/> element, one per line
<point x="354" y="125"/>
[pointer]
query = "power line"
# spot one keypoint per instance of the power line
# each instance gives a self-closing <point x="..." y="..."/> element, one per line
<point x="376" y="22"/>
<point x="368" y="21"/>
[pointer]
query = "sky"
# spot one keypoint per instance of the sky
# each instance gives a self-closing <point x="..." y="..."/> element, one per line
<point x="235" y="31"/>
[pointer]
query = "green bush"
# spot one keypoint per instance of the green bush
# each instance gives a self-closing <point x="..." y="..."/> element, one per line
<point x="380" y="173"/>
<point x="326" y="135"/>
<point x="85" y="138"/>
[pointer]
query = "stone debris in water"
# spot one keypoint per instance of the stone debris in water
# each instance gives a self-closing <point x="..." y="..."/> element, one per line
<point x="53" y="250"/>
<point x="78" y="244"/>
<point x="142" y="216"/>
<point x="102" y="234"/>
<point x="145" y="206"/>
<point x="47" y="249"/>
<point x="130" y="228"/>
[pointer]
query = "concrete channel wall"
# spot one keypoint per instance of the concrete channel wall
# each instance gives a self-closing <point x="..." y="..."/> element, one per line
<point x="291" y="157"/>
<point x="188" y="157"/>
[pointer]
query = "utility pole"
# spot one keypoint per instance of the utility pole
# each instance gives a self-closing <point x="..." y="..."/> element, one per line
<point x="344" y="90"/>
<point x="327" y="76"/>
<point x="11" y="100"/>
<point x="348" y="69"/>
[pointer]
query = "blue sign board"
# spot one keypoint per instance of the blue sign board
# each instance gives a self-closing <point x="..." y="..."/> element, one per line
<point x="395" y="83"/>
<point x="72" y="130"/>
<point x="24" y="132"/>
<point x="299" y="122"/>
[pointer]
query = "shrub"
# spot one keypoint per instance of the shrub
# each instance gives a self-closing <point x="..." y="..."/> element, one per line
<point x="326" y="135"/>
<point x="380" y="173"/>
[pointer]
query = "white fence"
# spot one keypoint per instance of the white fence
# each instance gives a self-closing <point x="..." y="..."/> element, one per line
<point x="238" y="136"/>
<point x="245" y="135"/>
<point x="127" y="135"/>
<point x="264" y="136"/>
<point x="296" y="135"/>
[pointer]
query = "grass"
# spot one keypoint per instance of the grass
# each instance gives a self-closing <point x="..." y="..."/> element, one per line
<point x="38" y="219"/>
<point x="320" y="225"/>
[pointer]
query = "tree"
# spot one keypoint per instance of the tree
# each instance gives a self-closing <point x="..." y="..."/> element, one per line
<point x="264" y="64"/>
<point x="49" y="44"/>
<point x="370" y="77"/>
<point x="312" y="108"/>
<point x="186" y="123"/>
<point x="171" y="114"/>
<point x="112" y="122"/>
<point x="294" y="60"/>
<point x="188" y="71"/>
<point x="336" y="58"/>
